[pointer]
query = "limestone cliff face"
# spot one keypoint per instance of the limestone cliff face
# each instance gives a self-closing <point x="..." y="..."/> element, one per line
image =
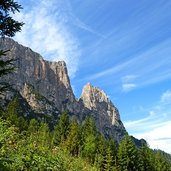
<point x="106" y="114"/>
<point x="45" y="86"/>
<point x="95" y="99"/>
<point x="50" y="79"/>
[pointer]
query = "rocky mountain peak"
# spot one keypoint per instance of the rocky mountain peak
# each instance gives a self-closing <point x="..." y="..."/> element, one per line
<point x="50" y="79"/>
<point x="45" y="87"/>
<point x="95" y="99"/>
<point x="93" y="95"/>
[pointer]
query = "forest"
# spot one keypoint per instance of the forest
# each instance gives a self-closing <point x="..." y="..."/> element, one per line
<point x="70" y="145"/>
<point x="30" y="144"/>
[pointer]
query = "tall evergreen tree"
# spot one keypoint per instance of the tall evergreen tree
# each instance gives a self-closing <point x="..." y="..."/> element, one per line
<point x="74" y="138"/>
<point x="146" y="158"/>
<point x="161" y="163"/>
<point x="32" y="132"/>
<point x="128" y="155"/>
<point x="89" y="135"/>
<point x="13" y="114"/>
<point x="61" y="129"/>
<point x="100" y="151"/>
<point x="8" y="27"/>
<point x="44" y="136"/>
<point x="108" y="162"/>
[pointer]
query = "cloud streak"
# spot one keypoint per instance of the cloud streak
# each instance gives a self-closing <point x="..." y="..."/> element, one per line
<point x="155" y="128"/>
<point x="128" y="87"/>
<point x="46" y="32"/>
<point x="166" y="96"/>
<point x="141" y="69"/>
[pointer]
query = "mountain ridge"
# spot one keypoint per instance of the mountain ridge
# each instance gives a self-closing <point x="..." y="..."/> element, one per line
<point x="46" y="87"/>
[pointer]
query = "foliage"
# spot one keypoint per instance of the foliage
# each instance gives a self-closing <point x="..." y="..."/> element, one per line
<point x="73" y="140"/>
<point x="8" y="27"/>
<point x="128" y="155"/>
<point x="13" y="114"/>
<point x="6" y="67"/>
<point x="71" y="146"/>
<point x="61" y="129"/>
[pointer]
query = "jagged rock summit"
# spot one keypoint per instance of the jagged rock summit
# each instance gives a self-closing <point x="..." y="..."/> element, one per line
<point x="97" y="100"/>
<point x="45" y="87"/>
<point x="105" y="113"/>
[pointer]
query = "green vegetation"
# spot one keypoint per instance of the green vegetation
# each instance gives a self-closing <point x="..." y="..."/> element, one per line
<point x="8" y="27"/>
<point x="69" y="146"/>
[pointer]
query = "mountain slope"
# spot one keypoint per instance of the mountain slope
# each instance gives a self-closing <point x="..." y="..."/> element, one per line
<point x="45" y="86"/>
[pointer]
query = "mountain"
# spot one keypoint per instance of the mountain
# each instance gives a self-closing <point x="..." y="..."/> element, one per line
<point x="44" y="89"/>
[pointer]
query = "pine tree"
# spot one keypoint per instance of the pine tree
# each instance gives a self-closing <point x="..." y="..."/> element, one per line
<point x="89" y="135"/>
<point x="8" y="27"/>
<point x="74" y="138"/>
<point x="100" y="151"/>
<point x="89" y="126"/>
<point x="32" y="132"/>
<point x="108" y="159"/>
<point x="61" y="129"/>
<point x="161" y="163"/>
<point x="128" y="155"/>
<point x="44" y="136"/>
<point x="146" y="158"/>
<point x="13" y="114"/>
<point x="33" y="126"/>
<point x="6" y="67"/>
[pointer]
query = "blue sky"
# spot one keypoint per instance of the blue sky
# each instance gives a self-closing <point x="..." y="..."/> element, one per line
<point x="123" y="47"/>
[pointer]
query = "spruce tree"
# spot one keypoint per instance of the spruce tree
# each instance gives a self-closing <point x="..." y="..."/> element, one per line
<point x="146" y="159"/>
<point x="44" y="136"/>
<point x="13" y="114"/>
<point x="89" y="135"/>
<point x="101" y="143"/>
<point x="74" y="138"/>
<point x="108" y="162"/>
<point x="61" y="129"/>
<point x="161" y="163"/>
<point x="8" y="27"/>
<point x="32" y="131"/>
<point x="128" y="155"/>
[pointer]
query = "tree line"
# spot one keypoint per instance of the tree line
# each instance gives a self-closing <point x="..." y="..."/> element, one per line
<point x="31" y="145"/>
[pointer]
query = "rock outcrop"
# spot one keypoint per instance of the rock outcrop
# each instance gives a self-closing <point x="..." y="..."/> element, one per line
<point x="45" y="86"/>
<point x="105" y="113"/>
<point x="50" y="79"/>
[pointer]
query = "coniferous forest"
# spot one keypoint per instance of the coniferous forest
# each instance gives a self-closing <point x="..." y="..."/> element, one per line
<point x="31" y="145"/>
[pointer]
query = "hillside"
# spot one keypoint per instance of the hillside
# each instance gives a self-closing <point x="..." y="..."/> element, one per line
<point x="45" y="88"/>
<point x="44" y="127"/>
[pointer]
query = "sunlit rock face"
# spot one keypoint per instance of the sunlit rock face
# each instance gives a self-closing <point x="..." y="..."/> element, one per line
<point x="46" y="88"/>
<point x="50" y="79"/>
<point x="106" y="114"/>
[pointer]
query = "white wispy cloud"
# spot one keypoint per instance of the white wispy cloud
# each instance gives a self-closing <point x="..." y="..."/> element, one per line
<point x="128" y="78"/>
<point x="128" y="83"/>
<point x="156" y="126"/>
<point x="128" y="87"/>
<point x="158" y="138"/>
<point x="46" y="31"/>
<point x="144" y="68"/>
<point x="166" y="96"/>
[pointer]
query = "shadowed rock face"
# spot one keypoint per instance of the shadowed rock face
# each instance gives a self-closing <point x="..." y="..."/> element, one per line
<point x="50" y="79"/>
<point x="45" y="86"/>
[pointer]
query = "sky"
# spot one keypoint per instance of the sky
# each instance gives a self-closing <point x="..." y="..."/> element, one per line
<point x="123" y="47"/>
